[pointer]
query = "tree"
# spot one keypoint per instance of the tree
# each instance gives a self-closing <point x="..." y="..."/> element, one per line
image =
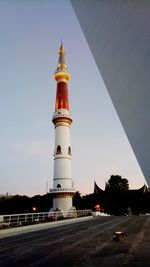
<point x="117" y="184"/>
<point x="116" y="201"/>
<point x="15" y="204"/>
<point x="77" y="200"/>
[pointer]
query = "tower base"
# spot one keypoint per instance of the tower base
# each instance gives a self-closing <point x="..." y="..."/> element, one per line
<point x="62" y="204"/>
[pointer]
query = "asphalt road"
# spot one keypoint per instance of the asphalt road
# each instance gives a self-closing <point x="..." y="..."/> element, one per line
<point x="81" y="244"/>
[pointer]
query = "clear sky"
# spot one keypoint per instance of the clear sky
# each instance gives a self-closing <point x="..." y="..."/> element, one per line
<point x="31" y="31"/>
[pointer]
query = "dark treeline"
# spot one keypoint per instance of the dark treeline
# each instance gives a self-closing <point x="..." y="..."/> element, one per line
<point x="116" y="199"/>
<point x="16" y="204"/>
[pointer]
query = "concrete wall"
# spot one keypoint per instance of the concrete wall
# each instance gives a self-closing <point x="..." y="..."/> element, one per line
<point x="118" y="33"/>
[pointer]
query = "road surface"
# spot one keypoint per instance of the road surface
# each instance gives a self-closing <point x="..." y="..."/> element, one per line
<point x="81" y="244"/>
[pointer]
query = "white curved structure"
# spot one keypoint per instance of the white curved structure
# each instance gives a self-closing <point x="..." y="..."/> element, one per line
<point x="118" y="33"/>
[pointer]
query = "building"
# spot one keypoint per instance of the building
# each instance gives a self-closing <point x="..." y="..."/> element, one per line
<point x="63" y="189"/>
<point x="118" y="34"/>
<point x="123" y="202"/>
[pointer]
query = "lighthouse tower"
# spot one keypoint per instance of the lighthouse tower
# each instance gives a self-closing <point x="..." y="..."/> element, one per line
<point x="63" y="189"/>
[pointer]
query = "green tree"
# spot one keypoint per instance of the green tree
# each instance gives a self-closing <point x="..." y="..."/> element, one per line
<point x="77" y="200"/>
<point x="117" y="184"/>
<point x="116" y="190"/>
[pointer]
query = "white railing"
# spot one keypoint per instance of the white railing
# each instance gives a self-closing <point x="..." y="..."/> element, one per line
<point x="32" y="218"/>
<point x="67" y="190"/>
<point x="62" y="114"/>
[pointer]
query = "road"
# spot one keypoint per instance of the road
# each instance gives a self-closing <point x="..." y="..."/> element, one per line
<point x="81" y="244"/>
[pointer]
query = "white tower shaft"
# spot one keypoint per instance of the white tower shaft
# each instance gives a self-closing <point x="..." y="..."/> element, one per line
<point x="62" y="157"/>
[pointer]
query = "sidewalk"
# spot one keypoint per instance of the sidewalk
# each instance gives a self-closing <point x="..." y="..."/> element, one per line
<point x="41" y="226"/>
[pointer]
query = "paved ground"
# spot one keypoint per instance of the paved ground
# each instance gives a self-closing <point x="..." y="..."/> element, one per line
<point x="81" y="244"/>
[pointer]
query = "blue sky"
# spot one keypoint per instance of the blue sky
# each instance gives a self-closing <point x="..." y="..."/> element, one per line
<point x="30" y="39"/>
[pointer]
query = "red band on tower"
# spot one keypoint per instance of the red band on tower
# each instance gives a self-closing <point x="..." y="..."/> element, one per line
<point x="62" y="96"/>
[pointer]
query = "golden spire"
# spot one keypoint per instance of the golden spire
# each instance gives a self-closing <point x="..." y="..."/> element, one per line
<point x="61" y="71"/>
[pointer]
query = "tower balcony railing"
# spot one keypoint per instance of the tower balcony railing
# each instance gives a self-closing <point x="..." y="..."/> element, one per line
<point x="61" y="190"/>
<point x="61" y="115"/>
